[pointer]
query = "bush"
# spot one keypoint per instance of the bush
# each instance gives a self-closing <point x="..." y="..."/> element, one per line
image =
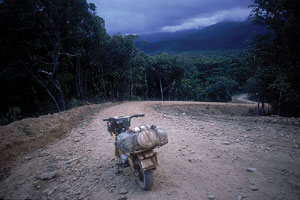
<point x="13" y="114"/>
<point x="74" y="103"/>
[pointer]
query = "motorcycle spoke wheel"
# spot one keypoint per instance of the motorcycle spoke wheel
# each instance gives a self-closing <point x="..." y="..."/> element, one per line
<point x="144" y="178"/>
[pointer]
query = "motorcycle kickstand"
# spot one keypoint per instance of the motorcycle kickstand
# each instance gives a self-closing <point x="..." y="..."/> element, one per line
<point x="119" y="167"/>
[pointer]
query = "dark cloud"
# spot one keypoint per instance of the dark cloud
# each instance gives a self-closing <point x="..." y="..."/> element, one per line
<point x="145" y="16"/>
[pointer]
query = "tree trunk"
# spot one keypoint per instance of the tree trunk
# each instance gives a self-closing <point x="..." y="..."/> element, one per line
<point x="54" y="78"/>
<point x="117" y="92"/>
<point x="263" y="105"/>
<point x="161" y="88"/>
<point x="131" y="83"/>
<point x="78" y="78"/>
<point x="146" y="86"/>
<point x="171" y="89"/>
<point x="258" y="106"/>
<point x="61" y="99"/>
<point x="50" y="94"/>
<point x="279" y="102"/>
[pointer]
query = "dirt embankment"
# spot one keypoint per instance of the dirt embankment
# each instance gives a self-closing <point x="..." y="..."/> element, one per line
<point x="28" y="135"/>
<point x="215" y="151"/>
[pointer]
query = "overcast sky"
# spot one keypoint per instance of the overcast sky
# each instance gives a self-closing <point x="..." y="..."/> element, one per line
<point x="148" y="16"/>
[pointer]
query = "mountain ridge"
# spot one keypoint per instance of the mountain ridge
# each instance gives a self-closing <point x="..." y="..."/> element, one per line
<point x="220" y="36"/>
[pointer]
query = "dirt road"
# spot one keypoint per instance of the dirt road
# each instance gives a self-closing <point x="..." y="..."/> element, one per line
<point x="208" y="157"/>
<point x="242" y="98"/>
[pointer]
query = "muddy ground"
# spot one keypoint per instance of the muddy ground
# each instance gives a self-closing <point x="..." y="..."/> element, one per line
<point x="215" y="151"/>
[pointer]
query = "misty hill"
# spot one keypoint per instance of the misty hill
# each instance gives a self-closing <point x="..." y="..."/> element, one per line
<point x="221" y="36"/>
<point x="157" y="37"/>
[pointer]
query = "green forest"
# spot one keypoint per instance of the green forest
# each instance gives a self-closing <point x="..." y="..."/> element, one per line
<point x="56" y="55"/>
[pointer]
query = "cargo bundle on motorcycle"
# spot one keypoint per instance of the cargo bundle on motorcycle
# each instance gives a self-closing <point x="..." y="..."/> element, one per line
<point x="141" y="138"/>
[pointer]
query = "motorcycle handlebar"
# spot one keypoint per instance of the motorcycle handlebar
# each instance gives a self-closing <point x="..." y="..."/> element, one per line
<point x="138" y="115"/>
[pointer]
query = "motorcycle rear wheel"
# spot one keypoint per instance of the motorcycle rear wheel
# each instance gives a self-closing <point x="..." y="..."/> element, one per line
<point x="144" y="178"/>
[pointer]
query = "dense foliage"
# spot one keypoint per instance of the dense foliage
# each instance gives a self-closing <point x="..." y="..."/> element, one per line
<point x="57" y="54"/>
<point x="275" y="58"/>
<point x="46" y="49"/>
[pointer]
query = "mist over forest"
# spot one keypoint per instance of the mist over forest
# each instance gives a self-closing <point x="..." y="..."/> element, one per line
<point x="57" y="55"/>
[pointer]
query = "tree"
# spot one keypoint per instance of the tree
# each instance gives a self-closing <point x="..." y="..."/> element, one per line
<point x="167" y="72"/>
<point x="280" y="68"/>
<point x="120" y="56"/>
<point x="39" y="35"/>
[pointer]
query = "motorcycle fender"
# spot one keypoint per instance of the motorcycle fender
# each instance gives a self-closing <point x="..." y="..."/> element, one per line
<point x="150" y="163"/>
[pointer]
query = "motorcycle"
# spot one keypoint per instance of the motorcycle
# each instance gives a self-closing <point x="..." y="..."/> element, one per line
<point x="141" y="162"/>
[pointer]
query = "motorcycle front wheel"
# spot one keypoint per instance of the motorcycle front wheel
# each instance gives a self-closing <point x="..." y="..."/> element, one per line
<point x="144" y="178"/>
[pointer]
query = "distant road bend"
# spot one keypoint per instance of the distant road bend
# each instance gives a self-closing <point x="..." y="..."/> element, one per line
<point x="242" y="98"/>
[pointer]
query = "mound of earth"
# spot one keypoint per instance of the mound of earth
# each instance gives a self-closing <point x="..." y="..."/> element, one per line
<point x="28" y="135"/>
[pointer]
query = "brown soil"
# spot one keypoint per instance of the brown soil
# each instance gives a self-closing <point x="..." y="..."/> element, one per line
<point x="211" y="146"/>
<point x="28" y="135"/>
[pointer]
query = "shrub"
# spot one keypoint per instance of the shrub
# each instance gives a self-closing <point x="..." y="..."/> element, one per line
<point x="74" y="103"/>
